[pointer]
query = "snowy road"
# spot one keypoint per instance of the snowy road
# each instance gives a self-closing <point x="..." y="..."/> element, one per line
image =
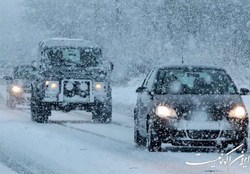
<point x="71" y="143"/>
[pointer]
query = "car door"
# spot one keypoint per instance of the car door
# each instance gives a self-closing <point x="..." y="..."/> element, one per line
<point x="144" y="102"/>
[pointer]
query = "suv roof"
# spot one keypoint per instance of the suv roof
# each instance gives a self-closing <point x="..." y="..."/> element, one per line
<point x="64" y="42"/>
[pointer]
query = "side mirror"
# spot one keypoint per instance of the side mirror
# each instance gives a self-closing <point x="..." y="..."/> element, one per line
<point x="140" y="89"/>
<point x="7" y="78"/>
<point x="111" y="66"/>
<point x="244" y="91"/>
<point x="34" y="64"/>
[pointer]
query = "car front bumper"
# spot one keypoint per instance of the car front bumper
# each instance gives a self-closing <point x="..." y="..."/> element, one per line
<point x="22" y="99"/>
<point x="200" y="133"/>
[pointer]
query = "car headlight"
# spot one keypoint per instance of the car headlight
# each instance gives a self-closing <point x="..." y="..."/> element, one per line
<point x="99" y="86"/>
<point x="165" y="112"/>
<point x="16" y="89"/>
<point x="238" y="112"/>
<point x="52" y="85"/>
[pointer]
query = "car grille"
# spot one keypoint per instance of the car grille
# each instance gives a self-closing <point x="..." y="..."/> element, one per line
<point x="76" y="89"/>
<point x="203" y="134"/>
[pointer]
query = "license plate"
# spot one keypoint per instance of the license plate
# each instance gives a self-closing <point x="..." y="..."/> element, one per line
<point x="206" y="125"/>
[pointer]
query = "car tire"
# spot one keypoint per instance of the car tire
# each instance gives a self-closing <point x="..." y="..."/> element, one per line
<point x="153" y="140"/>
<point x="139" y="140"/>
<point x="102" y="113"/>
<point x="10" y="102"/>
<point x="39" y="112"/>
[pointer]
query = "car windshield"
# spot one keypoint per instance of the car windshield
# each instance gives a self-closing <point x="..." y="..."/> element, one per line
<point x="23" y="72"/>
<point x="72" y="56"/>
<point x="196" y="81"/>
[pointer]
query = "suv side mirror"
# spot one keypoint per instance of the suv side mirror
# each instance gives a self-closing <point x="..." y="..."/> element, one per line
<point x="140" y="89"/>
<point x="7" y="78"/>
<point x="111" y="66"/>
<point x="244" y="91"/>
<point x="34" y="64"/>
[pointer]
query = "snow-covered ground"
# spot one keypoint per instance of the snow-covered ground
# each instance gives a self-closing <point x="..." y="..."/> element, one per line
<point x="4" y="169"/>
<point x="72" y="143"/>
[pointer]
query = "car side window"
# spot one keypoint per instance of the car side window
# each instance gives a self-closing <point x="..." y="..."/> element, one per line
<point x="144" y="84"/>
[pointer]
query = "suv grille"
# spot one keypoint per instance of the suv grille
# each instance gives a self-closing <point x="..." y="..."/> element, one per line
<point x="78" y="88"/>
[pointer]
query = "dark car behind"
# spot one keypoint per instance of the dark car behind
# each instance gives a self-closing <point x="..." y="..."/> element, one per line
<point x="19" y="86"/>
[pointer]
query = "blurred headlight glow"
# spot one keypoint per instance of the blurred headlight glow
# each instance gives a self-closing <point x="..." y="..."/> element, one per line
<point x="238" y="112"/>
<point x="52" y="85"/>
<point x="16" y="89"/>
<point x="98" y="86"/>
<point x="165" y="112"/>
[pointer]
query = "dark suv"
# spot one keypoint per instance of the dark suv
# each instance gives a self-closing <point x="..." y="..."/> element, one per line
<point x="190" y="106"/>
<point x="71" y="75"/>
<point x="19" y="86"/>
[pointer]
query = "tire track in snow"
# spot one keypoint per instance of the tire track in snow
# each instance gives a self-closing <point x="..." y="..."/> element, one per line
<point x="13" y="164"/>
<point x="92" y="133"/>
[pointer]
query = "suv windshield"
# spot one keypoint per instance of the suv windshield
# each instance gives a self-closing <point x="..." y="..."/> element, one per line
<point x="72" y="56"/>
<point x="194" y="81"/>
<point x="23" y="72"/>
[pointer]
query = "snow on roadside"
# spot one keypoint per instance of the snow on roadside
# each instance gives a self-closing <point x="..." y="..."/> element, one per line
<point x="124" y="97"/>
<point x="6" y="170"/>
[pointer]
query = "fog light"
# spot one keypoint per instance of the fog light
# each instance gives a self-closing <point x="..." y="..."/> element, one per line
<point x="83" y="86"/>
<point x="69" y="86"/>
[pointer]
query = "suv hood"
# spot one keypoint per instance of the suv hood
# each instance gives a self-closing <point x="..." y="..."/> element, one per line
<point x="77" y="73"/>
<point x="200" y="107"/>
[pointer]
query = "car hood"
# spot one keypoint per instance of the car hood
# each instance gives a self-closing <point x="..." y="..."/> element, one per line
<point x="200" y="107"/>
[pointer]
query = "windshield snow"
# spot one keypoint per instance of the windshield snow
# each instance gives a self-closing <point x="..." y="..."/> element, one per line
<point x="69" y="56"/>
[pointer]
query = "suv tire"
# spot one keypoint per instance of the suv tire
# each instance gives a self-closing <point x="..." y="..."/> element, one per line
<point x="39" y="112"/>
<point x="102" y="113"/>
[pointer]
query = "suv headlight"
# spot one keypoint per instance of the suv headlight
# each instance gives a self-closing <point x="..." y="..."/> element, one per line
<point x="238" y="112"/>
<point x="16" y="89"/>
<point x="99" y="86"/>
<point x="165" y="112"/>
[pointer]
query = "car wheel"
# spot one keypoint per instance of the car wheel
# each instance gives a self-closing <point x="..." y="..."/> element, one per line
<point x="102" y="113"/>
<point x="10" y="102"/>
<point x="153" y="140"/>
<point x="139" y="140"/>
<point x="39" y="112"/>
<point x="244" y="145"/>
